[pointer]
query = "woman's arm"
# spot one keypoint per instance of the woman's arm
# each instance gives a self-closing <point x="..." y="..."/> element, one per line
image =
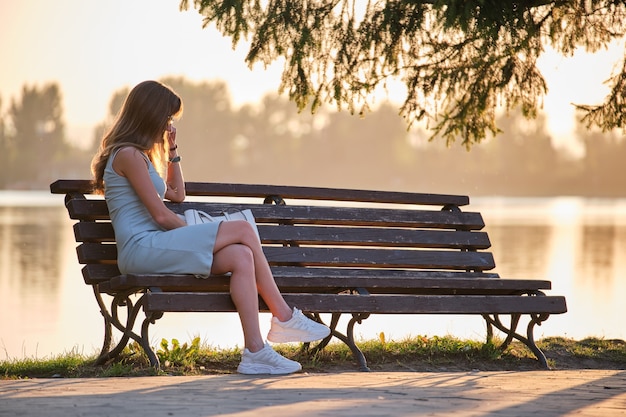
<point x="130" y="163"/>
<point x="175" y="182"/>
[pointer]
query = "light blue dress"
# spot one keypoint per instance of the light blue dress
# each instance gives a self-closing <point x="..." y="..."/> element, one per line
<point x="143" y="247"/>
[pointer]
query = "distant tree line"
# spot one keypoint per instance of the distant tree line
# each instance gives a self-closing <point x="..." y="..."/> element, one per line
<point x="33" y="142"/>
<point x="271" y="142"/>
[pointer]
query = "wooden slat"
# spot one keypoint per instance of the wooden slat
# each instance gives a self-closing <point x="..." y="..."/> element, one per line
<point x="318" y="193"/>
<point x="356" y="216"/>
<point x="363" y="236"/>
<point x="94" y="232"/>
<point x="171" y="282"/>
<point x="91" y="210"/>
<point x="377" y="304"/>
<point x="374" y="258"/>
<point x="427" y="304"/>
<point x="87" y="210"/>
<point x="287" y="192"/>
<point x="336" y="257"/>
<point x="315" y="235"/>
<point x="334" y="273"/>
<point x="358" y="277"/>
<point x="97" y="273"/>
<point x="190" y="302"/>
<point x="71" y="186"/>
<point x="96" y="253"/>
<point x="381" y="283"/>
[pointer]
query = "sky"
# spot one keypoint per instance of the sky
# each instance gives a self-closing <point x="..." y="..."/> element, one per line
<point x="93" y="48"/>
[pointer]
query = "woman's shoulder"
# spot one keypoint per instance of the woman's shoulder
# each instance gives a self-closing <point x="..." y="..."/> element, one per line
<point x="130" y="154"/>
<point x="126" y="157"/>
<point x="128" y="150"/>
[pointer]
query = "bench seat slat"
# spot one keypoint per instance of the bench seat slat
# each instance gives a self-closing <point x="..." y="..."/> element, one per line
<point x="380" y="304"/>
<point x="380" y="283"/>
<point x="313" y="272"/>
<point x="97" y="273"/>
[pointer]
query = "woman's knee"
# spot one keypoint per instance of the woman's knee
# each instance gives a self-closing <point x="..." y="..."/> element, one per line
<point x="237" y="231"/>
<point x="248" y="234"/>
<point x="235" y="258"/>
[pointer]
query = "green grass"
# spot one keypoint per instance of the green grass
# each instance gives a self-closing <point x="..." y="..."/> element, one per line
<point x="61" y="365"/>
<point x="586" y="351"/>
<point x="413" y="354"/>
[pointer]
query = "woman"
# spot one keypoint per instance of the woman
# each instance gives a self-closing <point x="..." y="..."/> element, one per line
<point x="153" y="239"/>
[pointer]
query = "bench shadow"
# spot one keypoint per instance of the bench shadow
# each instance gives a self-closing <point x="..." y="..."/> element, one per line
<point x="585" y="398"/>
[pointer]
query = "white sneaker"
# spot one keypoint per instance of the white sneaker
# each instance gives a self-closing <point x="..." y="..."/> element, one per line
<point x="299" y="328"/>
<point x="266" y="361"/>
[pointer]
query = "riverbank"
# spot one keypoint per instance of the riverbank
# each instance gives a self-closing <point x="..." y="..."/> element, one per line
<point x="418" y="354"/>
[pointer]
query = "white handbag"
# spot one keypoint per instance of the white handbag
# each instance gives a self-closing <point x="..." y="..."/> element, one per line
<point x="193" y="216"/>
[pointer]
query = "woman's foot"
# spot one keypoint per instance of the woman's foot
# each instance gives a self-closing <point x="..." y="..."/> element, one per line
<point x="299" y="328"/>
<point x="266" y="361"/>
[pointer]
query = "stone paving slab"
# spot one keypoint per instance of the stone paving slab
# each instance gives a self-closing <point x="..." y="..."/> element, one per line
<point x="597" y="393"/>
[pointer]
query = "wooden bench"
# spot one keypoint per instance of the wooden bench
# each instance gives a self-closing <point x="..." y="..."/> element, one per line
<point x="334" y="251"/>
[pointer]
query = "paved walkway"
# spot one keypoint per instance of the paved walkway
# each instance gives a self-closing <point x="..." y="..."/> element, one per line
<point x="534" y="393"/>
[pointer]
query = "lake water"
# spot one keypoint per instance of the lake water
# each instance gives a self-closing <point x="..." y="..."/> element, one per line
<point x="578" y="244"/>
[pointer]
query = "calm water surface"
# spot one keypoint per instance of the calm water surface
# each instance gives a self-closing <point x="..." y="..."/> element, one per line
<point x="578" y="244"/>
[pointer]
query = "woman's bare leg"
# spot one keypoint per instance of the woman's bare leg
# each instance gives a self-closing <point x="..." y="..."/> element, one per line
<point x="238" y="260"/>
<point x="241" y="232"/>
<point x="238" y="250"/>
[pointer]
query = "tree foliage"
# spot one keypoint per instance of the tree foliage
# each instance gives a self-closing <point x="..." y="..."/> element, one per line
<point x="460" y="60"/>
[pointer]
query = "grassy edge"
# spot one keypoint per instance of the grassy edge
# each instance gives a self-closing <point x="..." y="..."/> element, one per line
<point x="418" y="353"/>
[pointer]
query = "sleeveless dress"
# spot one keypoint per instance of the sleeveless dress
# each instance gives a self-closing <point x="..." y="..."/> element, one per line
<point x="143" y="247"/>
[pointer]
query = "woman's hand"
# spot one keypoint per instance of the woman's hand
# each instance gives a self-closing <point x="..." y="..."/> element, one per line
<point x="171" y="136"/>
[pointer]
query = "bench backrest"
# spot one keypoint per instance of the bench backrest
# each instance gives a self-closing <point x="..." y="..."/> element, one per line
<point x="425" y="234"/>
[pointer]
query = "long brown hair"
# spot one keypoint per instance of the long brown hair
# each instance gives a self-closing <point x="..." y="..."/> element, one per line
<point x="141" y="123"/>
